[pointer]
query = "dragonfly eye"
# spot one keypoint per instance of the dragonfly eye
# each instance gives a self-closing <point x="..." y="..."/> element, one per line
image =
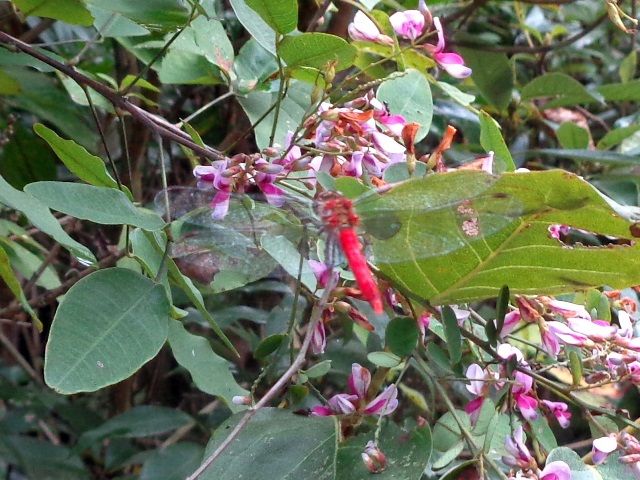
<point x="382" y="227"/>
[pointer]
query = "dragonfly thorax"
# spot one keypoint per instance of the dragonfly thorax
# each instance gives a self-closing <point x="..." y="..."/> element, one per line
<point x="336" y="211"/>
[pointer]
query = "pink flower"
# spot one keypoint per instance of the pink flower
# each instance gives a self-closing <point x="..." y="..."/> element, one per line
<point x="322" y="272"/>
<point x="477" y="376"/>
<point x="602" y="447"/>
<point x="565" y="309"/>
<point x="393" y="150"/>
<point x="452" y="63"/>
<point x="560" y="410"/>
<point x="519" y="454"/>
<point x="557" y="470"/>
<point x="354" y="401"/>
<point x="264" y="181"/>
<point x="597" y="330"/>
<point x="506" y="351"/>
<point x="408" y="24"/>
<point x="626" y="327"/>
<point x="363" y="28"/>
<point x="215" y="174"/>
<point x="423" y="325"/>
<point x="557" y="231"/>
<point x="511" y="319"/>
<point x="473" y="408"/>
<point x="318" y="339"/>
<point x="566" y="335"/>
<point x="527" y="405"/>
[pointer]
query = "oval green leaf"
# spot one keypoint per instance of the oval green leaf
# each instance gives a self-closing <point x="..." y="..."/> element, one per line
<point x="409" y="95"/>
<point x="103" y="205"/>
<point x="316" y="50"/>
<point x="282" y="445"/>
<point x="107" y="326"/>
<point x="281" y="15"/>
<point x="402" y="336"/>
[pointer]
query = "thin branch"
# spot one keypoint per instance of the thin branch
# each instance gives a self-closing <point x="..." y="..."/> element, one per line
<point x="154" y="122"/>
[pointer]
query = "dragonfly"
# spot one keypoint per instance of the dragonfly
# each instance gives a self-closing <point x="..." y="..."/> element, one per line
<point x="413" y="219"/>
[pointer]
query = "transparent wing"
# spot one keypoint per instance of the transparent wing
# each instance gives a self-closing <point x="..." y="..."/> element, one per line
<point x="205" y="247"/>
<point x="435" y="215"/>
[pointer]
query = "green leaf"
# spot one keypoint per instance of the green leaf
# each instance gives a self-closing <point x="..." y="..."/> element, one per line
<point x="40" y="216"/>
<point x="8" y="85"/>
<point x="401" y="336"/>
<point x="558" y="85"/>
<point x="427" y="237"/>
<point x="26" y="159"/>
<point x="139" y="422"/>
<point x="492" y="141"/>
<point x="175" y="462"/>
<point x="255" y="25"/>
<point x="615" y="137"/>
<point x="27" y="263"/>
<point x="319" y="369"/>
<point x="449" y="456"/>
<point x="542" y="432"/>
<point x="111" y="24"/>
<point x="589" y="155"/>
<point x="502" y="305"/>
<point x="571" y="136"/>
<point x="316" y="50"/>
<point x="280" y="15"/>
<point x="154" y="14"/>
<point x="70" y="11"/>
<point x="185" y="284"/>
<point x="384" y="359"/>
<point x="493" y="74"/>
<point x="628" y="67"/>
<point x="287" y="255"/>
<point x="280" y="444"/>
<point x="9" y="278"/>
<point x="98" y="342"/>
<point x="269" y="345"/>
<point x="210" y="372"/>
<point x="77" y="159"/>
<point x="102" y="205"/>
<point x="579" y="471"/>
<point x="409" y="95"/>
<point x="446" y="433"/>
<point x="292" y="111"/>
<point x="407" y="454"/>
<point x="41" y="459"/>
<point x="452" y="333"/>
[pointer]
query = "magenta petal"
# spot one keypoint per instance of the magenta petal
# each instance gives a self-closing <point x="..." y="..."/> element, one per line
<point x="383" y="404"/>
<point x="359" y="380"/>
<point x="527" y="405"/>
<point x="220" y="204"/>
<point x="342" y="403"/>
<point x="274" y="195"/>
<point x="321" y="411"/>
<point x="557" y="470"/>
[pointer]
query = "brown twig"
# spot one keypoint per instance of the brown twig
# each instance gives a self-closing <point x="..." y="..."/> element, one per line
<point x="154" y="122"/>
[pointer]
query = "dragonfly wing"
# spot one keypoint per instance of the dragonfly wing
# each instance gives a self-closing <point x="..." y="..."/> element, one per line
<point x="435" y="216"/>
<point x="229" y="247"/>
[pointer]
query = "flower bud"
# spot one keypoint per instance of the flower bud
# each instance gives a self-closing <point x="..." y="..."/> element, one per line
<point x="241" y="400"/>
<point x="270" y="152"/>
<point x="373" y="458"/>
<point x="269" y="168"/>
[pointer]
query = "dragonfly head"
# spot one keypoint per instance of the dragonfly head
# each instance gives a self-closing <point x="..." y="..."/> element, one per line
<point x="336" y="211"/>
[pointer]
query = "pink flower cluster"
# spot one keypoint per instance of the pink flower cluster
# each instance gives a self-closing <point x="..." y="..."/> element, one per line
<point x="523" y="464"/>
<point x="628" y="445"/>
<point x="411" y="25"/>
<point x="522" y="388"/>
<point x="355" y="401"/>
<point x="564" y="323"/>
<point x="361" y="135"/>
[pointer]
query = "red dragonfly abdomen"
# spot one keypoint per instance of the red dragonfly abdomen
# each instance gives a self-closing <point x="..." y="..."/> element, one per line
<point x="338" y="214"/>
<point x="352" y="249"/>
